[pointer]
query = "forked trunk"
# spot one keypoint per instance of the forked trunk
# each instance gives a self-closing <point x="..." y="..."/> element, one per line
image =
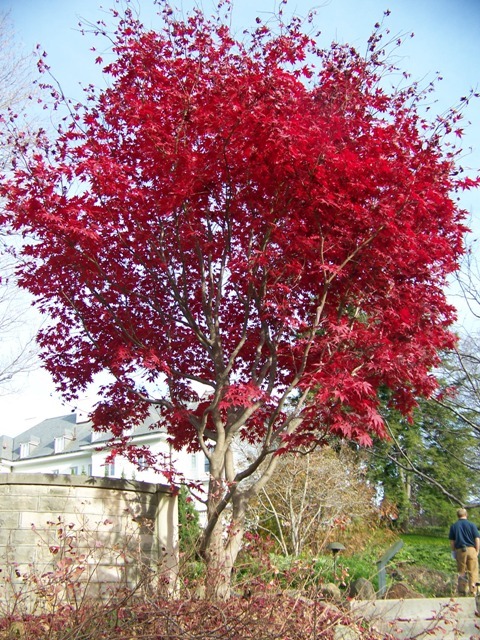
<point x="220" y="549"/>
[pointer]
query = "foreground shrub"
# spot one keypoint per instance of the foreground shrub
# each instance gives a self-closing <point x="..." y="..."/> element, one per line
<point x="266" y="616"/>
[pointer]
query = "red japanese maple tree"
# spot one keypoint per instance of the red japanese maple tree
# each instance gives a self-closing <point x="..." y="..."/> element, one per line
<point x="262" y="218"/>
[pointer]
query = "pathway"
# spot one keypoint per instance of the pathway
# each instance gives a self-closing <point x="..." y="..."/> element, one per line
<point x="423" y="618"/>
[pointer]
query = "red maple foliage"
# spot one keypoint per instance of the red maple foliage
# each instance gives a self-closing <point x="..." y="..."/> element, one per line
<point x="263" y="218"/>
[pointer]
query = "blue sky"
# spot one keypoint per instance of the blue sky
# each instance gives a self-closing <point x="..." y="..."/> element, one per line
<point x="447" y="40"/>
<point x="447" y="31"/>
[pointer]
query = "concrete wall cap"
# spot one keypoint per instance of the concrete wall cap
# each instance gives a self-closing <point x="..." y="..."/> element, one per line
<point x="68" y="480"/>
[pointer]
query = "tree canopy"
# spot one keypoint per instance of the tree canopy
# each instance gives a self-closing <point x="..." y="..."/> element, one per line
<point x="262" y="219"/>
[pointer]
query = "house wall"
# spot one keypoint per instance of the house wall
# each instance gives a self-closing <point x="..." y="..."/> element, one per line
<point x="77" y="463"/>
<point x="63" y="537"/>
<point x="190" y="466"/>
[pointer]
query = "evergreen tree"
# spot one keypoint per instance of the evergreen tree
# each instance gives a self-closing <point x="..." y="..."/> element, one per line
<point x="427" y="466"/>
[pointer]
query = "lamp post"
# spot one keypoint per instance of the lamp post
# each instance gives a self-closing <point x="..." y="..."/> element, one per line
<point x="335" y="548"/>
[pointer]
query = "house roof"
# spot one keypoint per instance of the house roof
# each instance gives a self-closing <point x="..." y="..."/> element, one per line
<point x="77" y="435"/>
<point x="42" y="437"/>
<point x="6" y="447"/>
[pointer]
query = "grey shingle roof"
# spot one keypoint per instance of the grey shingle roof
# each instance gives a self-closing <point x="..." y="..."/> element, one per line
<point x="42" y="436"/>
<point x="6" y="447"/>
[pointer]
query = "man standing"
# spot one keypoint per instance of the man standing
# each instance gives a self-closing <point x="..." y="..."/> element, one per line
<point x="465" y="543"/>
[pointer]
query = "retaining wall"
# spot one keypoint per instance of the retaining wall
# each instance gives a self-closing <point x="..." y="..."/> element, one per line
<point x="67" y="537"/>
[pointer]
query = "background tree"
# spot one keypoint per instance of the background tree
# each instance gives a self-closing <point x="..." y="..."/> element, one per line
<point x="312" y="494"/>
<point x="18" y="351"/>
<point x="16" y="84"/>
<point x="460" y="392"/>
<point x="230" y="217"/>
<point x="467" y="287"/>
<point x="428" y="467"/>
<point x="460" y="388"/>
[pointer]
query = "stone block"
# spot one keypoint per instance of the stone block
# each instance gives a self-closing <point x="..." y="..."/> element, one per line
<point x="58" y="490"/>
<point x="40" y="520"/>
<point x="19" y="503"/>
<point x="17" y="555"/>
<point x="9" y="520"/>
<point x="112" y="573"/>
<point x="52" y="503"/>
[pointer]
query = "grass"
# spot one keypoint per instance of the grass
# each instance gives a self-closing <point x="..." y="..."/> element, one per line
<point x="432" y="552"/>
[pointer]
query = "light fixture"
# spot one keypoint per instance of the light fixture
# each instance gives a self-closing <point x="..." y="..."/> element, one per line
<point x="335" y="548"/>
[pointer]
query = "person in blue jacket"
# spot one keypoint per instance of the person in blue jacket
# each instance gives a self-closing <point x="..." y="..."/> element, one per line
<point x="465" y="545"/>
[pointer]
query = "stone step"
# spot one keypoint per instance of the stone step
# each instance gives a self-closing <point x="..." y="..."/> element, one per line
<point x="422" y="618"/>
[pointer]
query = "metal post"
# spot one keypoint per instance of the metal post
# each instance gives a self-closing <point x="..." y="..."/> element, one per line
<point x="381" y="564"/>
<point x="335" y="547"/>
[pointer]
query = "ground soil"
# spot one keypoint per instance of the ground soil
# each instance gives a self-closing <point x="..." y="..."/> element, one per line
<point x="429" y="582"/>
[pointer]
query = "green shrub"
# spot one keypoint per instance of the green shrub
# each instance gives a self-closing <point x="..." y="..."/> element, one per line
<point x="189" y="530"/>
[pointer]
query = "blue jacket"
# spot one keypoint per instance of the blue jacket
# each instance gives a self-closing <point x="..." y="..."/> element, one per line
<point x="463" y="532"/>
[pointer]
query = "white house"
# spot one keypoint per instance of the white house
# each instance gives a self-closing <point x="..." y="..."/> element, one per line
<point x="69" y="445"/>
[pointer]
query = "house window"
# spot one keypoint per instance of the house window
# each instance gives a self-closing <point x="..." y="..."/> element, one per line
<point x="142" y="463"/>
<point x="24" y="450"/>
<point x="89" y="471"/>
<point x="59" y="444"/>
<point x="194" y="462"/>
<point x="206" y="465"/>
<point x="74" y="471"/>
<point x="55" y="472"/>
<point x="110" y="470"/>
<point x="27" y="447"/>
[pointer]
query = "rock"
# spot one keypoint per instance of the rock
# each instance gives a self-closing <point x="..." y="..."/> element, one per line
<point x="295" y="594"/>
<point x="396" y="575"/>
<point x="200" y="592"/>
<point x="331" y="592"/>
<point x="362" y="589"/>
<point x="17" y="630"/>
<point x="400" y="590"/>
<point x="345" y="633"/>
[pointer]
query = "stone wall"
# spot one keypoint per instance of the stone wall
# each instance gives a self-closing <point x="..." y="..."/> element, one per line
<point x="67" y="537"/>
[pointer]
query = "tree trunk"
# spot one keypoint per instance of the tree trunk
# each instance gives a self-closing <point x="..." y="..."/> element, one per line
<point x="220" y="548"/>
<point x="220" y="558"/>
<point x="223" y="534"/>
